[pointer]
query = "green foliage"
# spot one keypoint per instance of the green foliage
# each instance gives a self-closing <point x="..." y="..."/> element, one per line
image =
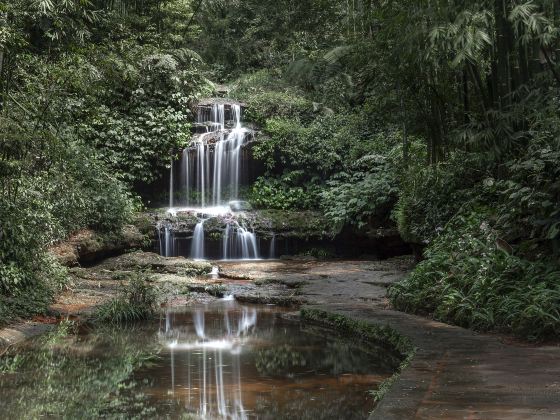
<point x="148" y="113"/>
<point x="470" y="280"/>
<point x="137" y="301"/>
<point x="267" y="94"/>
<point x="283" y="193"/>
<point x="281" y="104"/>
<point x="431" y="196"/>
<point x="92" y="101"/>
<point x="263" y="33"/>
<point x="359" y="197"/>
<point x="530" y="198"/>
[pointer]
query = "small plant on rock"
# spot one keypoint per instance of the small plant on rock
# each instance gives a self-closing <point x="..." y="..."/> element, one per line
<point x="136" y="301"/>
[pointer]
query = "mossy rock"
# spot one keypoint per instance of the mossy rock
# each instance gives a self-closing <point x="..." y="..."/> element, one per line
<point x="151" y="262"/>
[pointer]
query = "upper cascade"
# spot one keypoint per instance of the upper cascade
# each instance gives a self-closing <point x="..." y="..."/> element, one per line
<point x="214" y="163"/>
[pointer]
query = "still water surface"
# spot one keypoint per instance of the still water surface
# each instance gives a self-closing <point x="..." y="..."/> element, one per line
<point x="227" y="360"/>
<point x="217" y="361"/>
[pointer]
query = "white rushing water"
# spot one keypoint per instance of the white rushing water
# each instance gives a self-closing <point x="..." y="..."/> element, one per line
<point x="197" y="243"/>
<point x="211" y="166"/>
<point x="210" y="176"/>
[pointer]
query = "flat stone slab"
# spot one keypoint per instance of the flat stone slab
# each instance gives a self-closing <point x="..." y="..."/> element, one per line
<point x="17" y="333"/>
<point x="455" y="374"/>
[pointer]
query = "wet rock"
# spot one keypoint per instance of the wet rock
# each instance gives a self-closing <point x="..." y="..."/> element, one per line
<point x="140" y="261"/>
<point x="238" y="205"/>
<point x="17" y="333"/>
<point x="87" y="246"/>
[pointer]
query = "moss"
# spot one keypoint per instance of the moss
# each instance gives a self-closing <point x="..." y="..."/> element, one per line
<point x="295" y="224"/>
<point x="285" y="301"/>
<point x="152" y="262"/>
<point x="380" y="334"/>
<point x="216" y="290"/>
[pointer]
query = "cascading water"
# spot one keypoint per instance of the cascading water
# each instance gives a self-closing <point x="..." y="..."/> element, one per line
<point x="166" y="240"/>
<point x="197" y="249"/>
<point x="211" y="171"/>
<point x="211" y="166"/>
<point x="238" y="242"/>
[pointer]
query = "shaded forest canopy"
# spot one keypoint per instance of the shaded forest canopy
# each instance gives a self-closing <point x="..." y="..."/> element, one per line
<point x="437" y="117"/>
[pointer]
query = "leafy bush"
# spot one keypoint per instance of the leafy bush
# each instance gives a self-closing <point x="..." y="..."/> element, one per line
<point x="358" y="197"/>
<point x="137" y="301"/>
<point x="284" y="104"/>
<point x="468" y="279"/>
<point x="267" y="95"/>
<point x="529" y="199"/>
<point x="290" y="145"/>
<point x="283" y="193"/>
<point x="29" y="289"/>
<point x="431" y="196"/>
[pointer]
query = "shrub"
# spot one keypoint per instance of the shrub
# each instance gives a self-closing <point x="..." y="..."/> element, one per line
<point x="469" y="280"/>
<point x="431" y="196"/>
<point x="267" y="95"/>
<point x="286" y="104"/>
<point x="358" y="197"/>
<point x="137" y="301"/>
<point x="282" y="193"/>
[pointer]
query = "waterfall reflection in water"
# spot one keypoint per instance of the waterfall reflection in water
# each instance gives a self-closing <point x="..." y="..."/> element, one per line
<point x="230" y="361"/>
<point x="215" y="376"/>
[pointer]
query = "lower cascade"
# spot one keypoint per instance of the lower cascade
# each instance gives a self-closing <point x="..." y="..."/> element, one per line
<point x="204" y="185"/>
<point x="235" y="242"/>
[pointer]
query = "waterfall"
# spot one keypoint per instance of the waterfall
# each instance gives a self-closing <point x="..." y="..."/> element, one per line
<point x="226" y="244"/>
<point x="186" y="175"/>
<point x="168" y="242"/>
<point x="209" y="175"/>
<point x="197" y="244"/>
<point x="202" y="159"/>
<point x="217" y="156"/>
<point x="239" y="243"/>
<point x="248" y="244"/>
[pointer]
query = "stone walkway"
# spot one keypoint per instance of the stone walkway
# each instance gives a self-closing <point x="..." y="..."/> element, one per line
<point x="455" y="374"/>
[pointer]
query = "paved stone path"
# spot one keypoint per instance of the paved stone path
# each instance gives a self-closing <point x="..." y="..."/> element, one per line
<point x="455" y="374"/>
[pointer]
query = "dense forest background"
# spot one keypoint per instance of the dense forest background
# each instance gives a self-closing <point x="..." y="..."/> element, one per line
<point x="440" y="117"/>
